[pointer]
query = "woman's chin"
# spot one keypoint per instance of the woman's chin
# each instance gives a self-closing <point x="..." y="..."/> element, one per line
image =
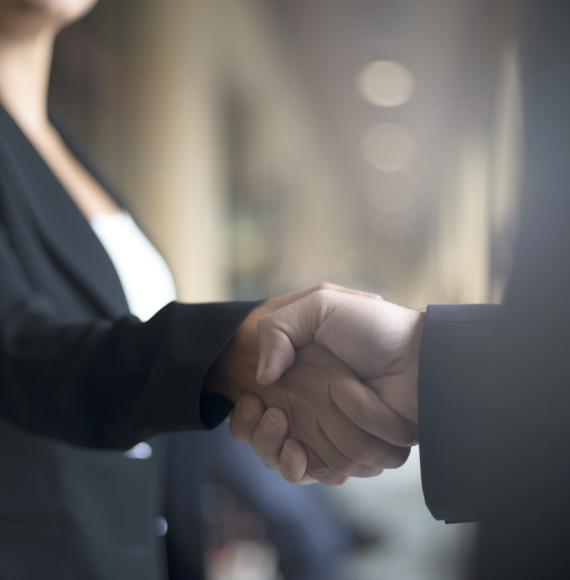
<point x="63" y="11"/>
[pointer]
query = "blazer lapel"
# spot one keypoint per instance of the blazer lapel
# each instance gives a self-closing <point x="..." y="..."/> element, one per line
<point x="61" y="224"/>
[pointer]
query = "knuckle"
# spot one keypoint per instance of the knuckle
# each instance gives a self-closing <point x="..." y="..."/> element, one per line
<point x="403" y="433"/>
<point x="288" y="476"/>
<point x="235" y="429"/>
<point x="334" y="479"/>
<point x="337" y="480"/>
<point x="359" y="452"/>
<point x="399" y="457"/>
<point x="316" y="467"/>
<point x="321" y="302"/>
<point x="351" y="402"/>
<point x="265" y="323"/>
<point x="343" y="465"/>
<point x="410" y="436"/>
<point x="270" y="435"/>
<point x="269" y="459"/>
<point x="321" y="296"/>
<point x="319" y="473"/>
<point x="251" y="407"/>
<point x="365" y="456"/>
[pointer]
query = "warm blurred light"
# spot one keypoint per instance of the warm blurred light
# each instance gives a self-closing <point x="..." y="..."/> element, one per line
<point x="394" y="225"/>
<point x="388" y="196"/>
<point x="250" y="245"/>
<point x="388" y="147"/>
<point x="386" y="83"/>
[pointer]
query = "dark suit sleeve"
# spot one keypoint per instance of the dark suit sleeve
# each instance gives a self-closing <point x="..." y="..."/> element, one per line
<point x="107" y="384"/>
<point x="459" y="378"/>
<point x="494" y="396"/>
<point x="495" y="380"/>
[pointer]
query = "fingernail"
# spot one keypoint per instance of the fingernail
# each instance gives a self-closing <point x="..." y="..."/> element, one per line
<point x="261" y="368"/>
<point x="270" y="424"/>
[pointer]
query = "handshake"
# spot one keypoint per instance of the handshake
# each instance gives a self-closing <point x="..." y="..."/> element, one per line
<point x="325" y="383"/>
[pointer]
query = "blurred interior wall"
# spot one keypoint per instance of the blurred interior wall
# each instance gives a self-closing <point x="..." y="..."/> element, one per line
<point x="477" y="149"/>
<point x="176" y="168"/>
<point x="467" y="257"/>
<point x="148" y="85"/>
<point x="194" y="53"/>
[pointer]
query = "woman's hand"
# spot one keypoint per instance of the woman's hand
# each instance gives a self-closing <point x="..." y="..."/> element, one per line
<point x="266" y="430"/>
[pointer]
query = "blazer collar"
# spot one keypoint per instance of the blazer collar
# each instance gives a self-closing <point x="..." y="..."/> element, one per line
<point x="62" y="225"/>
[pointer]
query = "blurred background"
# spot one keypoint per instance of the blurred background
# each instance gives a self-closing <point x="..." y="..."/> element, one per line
<point x="269" y="145"/>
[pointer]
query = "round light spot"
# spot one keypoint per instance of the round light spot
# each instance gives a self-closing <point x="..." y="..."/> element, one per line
<point x="386" y="83"/>
<point x="140" y="451"/>
<point x="388" y="147"/>
<point x="161" y="527"/>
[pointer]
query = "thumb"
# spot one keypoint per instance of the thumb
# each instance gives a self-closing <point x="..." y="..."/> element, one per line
<point x="281" y="332"/>
<point x="276" y="352"/>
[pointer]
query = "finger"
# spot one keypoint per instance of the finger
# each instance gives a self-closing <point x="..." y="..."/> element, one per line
<point x="395" y="392"/>
<point x="364" y="408"/>
<point x="293" y="463"/>
<point x="245" y="417"/>
<point x="292" y="326"/>
<point x="353" y="291"/>
<point x="284" y="330"/>
<point x="319" y="471"/>
<point x="339" y="463"/>
<point x="269" y="436"/>
<point x="276" y="352"/>
<point x="361" y="447"/>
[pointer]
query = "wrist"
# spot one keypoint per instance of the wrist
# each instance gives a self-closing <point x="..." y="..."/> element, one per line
<point x="406" y="367"/>
<point x="404" y="339"/>
<point x="417" y="325"/>
<point x="234" y="370"/>
<point x="418" y="321"/>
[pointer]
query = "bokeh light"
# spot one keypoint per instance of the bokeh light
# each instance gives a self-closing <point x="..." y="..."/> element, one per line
<point x="388" y="147"/>
<point x="386" y="83"/>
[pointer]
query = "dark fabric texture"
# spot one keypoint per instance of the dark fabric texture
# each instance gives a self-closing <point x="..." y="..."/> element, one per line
<point x="77" y="370"/>
<point x="495" y="380"/>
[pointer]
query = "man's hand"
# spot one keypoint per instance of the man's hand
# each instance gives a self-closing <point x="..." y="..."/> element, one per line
<point x="308" y="394"/>
<point x="377" y="339"/>
<point x="331" y="438"/>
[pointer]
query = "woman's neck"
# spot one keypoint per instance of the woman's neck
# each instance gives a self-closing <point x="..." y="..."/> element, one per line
<point x="24" y="78"/>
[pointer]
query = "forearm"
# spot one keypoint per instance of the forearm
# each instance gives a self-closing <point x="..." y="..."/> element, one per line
<point x="111" y="384"/>
<point x="456" y="370"/>
<point x="493" y="399"/>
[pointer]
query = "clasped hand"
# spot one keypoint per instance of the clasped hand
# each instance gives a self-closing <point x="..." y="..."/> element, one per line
<point x="325" y="383"/>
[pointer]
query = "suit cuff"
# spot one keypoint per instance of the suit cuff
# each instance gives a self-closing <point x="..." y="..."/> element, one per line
<point x="194" y="336"/>
<point x="456" y="358"/>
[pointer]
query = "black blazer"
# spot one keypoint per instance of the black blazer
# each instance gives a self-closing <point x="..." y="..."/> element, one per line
<point x="495" y="380"/>
<point x="76" y="367"/>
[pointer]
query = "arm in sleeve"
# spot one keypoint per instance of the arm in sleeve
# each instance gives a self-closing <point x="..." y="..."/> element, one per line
<point x="107" y="384"/>
<point x="494" y="388"/>
<point x="493" y="404"/>
<point x="457" y="342"/>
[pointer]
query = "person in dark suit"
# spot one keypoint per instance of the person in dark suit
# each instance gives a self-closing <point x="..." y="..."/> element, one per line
<point x="96" y="356"/>
<point x="489" y="384"/>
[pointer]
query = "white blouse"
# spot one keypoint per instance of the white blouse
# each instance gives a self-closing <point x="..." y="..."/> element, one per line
<point x="144" y="275"/>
